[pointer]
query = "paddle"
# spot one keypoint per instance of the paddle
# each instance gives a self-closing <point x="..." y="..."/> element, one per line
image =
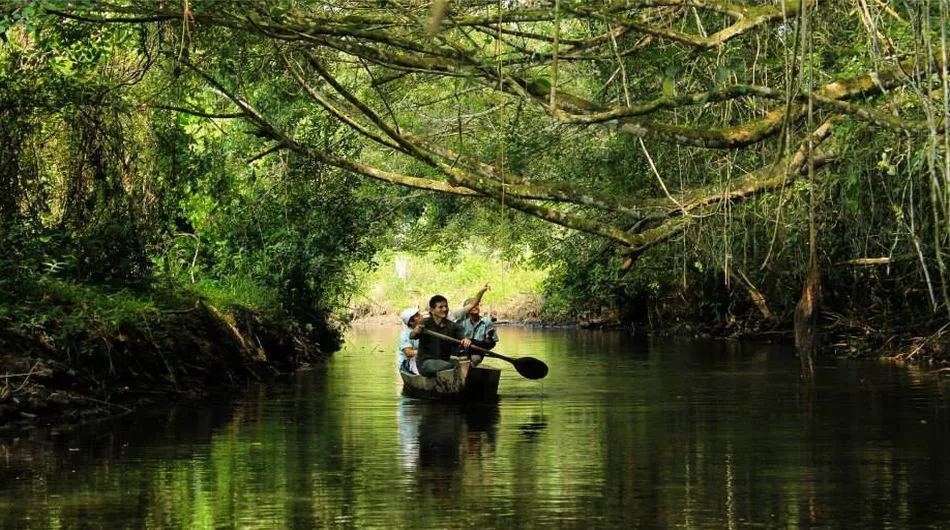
<point x="528" y="367"/>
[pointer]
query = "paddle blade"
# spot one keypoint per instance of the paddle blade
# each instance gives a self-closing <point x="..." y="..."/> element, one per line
<point x="530" y="367"/>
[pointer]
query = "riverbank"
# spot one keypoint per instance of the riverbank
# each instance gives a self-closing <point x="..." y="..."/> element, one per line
<point x="70" y="353"/>
<point x="926" y="342"/>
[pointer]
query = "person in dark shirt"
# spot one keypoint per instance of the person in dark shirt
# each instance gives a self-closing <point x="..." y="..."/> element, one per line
<point x="435" y="354"/>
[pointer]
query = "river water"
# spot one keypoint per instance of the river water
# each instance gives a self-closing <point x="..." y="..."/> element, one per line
<point x="623" y="433"/>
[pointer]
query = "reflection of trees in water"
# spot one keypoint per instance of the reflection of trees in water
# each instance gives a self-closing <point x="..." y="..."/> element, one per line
<point x="46" y="478"/>
<point x="185" y="466"/>
<point x="704" y="444"/>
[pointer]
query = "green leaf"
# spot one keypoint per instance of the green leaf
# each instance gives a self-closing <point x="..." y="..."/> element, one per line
<point x="669" y="87"/>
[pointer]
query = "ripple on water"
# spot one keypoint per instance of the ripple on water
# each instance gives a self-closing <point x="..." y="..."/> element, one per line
<point x="622" y="433"/>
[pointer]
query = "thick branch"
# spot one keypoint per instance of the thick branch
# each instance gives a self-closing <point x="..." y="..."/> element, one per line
<point x="748" y="18"/>
<point x="750" y="132"/>
<point x="201" y="114"/>
<point x="474" y="184"/>
<point x="339" y="114"/>
<point x="736" y="91"/>
<point x="763" y="179"/>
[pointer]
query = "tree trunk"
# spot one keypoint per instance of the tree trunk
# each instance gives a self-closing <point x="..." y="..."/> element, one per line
<point x="806" y="322"/>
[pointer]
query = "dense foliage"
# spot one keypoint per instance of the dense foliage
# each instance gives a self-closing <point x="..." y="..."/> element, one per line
<point x="682" y="158"/>
<point x="102" y="184"/>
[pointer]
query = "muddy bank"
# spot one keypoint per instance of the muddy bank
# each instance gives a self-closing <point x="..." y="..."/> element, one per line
<point x="57" y="377"/>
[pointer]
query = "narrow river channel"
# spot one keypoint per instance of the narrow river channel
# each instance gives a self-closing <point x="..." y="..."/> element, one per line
<point x="623" y="433"/>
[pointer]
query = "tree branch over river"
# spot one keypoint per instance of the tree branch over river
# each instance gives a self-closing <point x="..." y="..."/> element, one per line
<point x="512" y="51"/>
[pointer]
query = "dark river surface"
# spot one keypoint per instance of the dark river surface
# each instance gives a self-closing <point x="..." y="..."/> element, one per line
<point x="623" y="433"/>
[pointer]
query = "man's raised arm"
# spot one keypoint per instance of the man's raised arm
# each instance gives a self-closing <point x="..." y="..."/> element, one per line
<point x="475" y="300"/>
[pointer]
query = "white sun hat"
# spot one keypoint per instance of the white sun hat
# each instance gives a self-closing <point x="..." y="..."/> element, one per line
<point x="407" y="314"/>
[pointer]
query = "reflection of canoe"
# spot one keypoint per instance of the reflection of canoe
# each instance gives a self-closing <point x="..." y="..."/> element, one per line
<point x="464" y="383"/>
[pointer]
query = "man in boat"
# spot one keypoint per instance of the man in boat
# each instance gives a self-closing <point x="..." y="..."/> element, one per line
<point x="434" y="354"/>
<point x="478" y="328"/>
<point x="408" y="347"/>
<point x="458" y="315"/>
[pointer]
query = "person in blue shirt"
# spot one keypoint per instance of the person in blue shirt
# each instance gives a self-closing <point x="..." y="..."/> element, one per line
<point x="478" y="328"/>
<point x="457" y="315"/>
<point x="408" y="347"/>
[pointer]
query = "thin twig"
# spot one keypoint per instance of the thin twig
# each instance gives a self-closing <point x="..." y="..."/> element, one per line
<point x="94" y="400"/>
<point x="663" y="185"/>
<point x="14" y="375"/>
<point x="27" y="380"/>
<point x="924" y="342"/>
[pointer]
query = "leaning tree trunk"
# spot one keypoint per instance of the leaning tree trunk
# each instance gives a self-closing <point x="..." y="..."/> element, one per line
<point x="806" y="311"/>
<point x="806" y="321"/>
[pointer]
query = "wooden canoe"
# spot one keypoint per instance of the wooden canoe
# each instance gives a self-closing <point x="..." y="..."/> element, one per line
<point x="465" y="383"/>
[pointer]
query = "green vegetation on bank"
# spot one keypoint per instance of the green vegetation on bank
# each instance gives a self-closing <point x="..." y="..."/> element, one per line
<point x="141" y="247"/>
<point x="80" y="319"/>
<point x="402" y="280"/>
<point x="69" y="351"/>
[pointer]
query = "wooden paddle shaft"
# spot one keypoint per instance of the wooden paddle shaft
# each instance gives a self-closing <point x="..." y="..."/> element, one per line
<point x="473" y="346"/>
<point x="526" y="366"/>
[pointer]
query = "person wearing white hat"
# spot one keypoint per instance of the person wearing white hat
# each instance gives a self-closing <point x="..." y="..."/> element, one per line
<point x="408" y="346"/>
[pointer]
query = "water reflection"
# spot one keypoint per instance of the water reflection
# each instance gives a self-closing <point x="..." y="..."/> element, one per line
<point x="694" y="434"/>
<point x="532" y="429"/>
<point x="443" y="435"/>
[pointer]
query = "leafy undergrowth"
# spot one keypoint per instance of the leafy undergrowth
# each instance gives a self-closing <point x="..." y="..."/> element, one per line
<point x="71" y="351"/>
<point x="402" y="280"/>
